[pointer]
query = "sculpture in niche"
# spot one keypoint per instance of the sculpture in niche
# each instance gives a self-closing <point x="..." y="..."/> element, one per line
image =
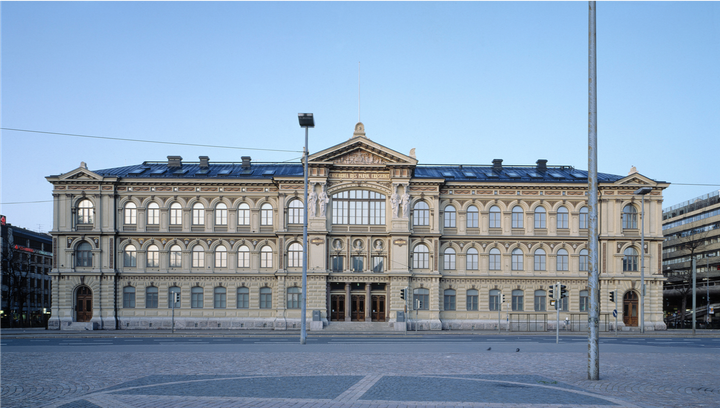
<point x="405" y="200"/>
<point x="324" y="199"/>
<point x="395" y="202"/>
<point x="312" y="200"/>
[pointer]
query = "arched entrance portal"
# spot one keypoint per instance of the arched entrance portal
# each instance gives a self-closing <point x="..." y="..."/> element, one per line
<point x="83" y="304"/>
<point x="630" y="308"/>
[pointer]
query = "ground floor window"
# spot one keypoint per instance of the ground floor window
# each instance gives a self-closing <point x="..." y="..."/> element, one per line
<point x="472" y="300"/>
<point x="421" y="299"/>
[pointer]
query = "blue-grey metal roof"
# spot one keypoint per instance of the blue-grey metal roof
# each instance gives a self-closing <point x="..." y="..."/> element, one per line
<point x="525" y="174"/>
<point x="215" y="170"/>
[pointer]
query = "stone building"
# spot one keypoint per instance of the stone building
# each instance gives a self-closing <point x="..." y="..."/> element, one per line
<point x="460" y="238"/>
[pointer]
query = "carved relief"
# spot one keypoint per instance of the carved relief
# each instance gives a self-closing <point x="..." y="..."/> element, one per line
<point x="359" y="157"/>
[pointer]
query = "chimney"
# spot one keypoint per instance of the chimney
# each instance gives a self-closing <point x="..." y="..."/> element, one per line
<point x="204" y="162"/>
<point x="497" y="165"/>
<point x="541" y="165"/>
<point x="246" y="162"/>
<point x="175" y="162"/>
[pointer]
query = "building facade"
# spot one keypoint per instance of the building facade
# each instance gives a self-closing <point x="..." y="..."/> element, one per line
<point x="460" y="238"/>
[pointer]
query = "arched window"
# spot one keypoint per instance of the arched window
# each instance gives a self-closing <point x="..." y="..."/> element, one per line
<point x="472" y="217"/>
<point x="266" y="257"/>
<point x="196" y="297"/>
<point x="198" y="214"/>
<point x="629" y="217"/>
<point x="517" y="300"/>
<point x="471" y="259"/>
<point x="83" y="255"/>
<point x="494" y="298"/>
<point x="562" y="218"/>
<point x="630" y="260"/>
<point x="296" y="212"/>
<point x="293" y="298"/>
<point x="151" y="297"/>
<point x="243" y="214"/>
<point x="176" y="214"/>
<point x="85" y="212"/>
<point x="243" y="298"/>
<point x="449" y="299"/>
<point x="175" y="256"/>
<point x="495" y="217"/>
<point x="153" y="256"/>
<point x="153" y="214"/>
<point x="265" y="298"/>
<point x="130" y="256"/>
<point x="358" y="207"/>
<point x="421" y="299"/>
<point x="584" y="301"/>
<point x="221" y="214"/>
<point x="449" y="259"/>
<point x="421" y="214"/>
<point x="295" y="255"/>
<point x="198" y="257"/>
<point x="517" y="259"/>
<point x="540" y="217"/>
<point x="517" y="217"/>
<point x="221" y="257"/>
<point x="561" y="260"/>
<point x="584" y="218"/>
<point x="539" y="300"/>
<point x="421" y="257"/>
<point x="171" y="297"/>
<point x="539" y="260"/>
<point x="449" y="217"/>
<point x="128" y="297"/>
<point x="266" y="214"/>
<point x="243" y="257"/>
<point x="584" y="260"/>
<point x="130" y="214"/>
<point x="219" y="297"/>
<point x="471" y="300"/>
<point x="495" y="263"/>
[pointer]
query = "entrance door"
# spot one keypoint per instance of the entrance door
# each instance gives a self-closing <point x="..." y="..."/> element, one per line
<point x="337" y="308"/>
<point x="630" y="309"/>
<point x="378" y="308"/>
<point x="357" y="308"/>
<point x="83" y="302"/>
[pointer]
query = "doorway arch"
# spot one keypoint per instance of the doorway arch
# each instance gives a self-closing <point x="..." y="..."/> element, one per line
<point x="630" y="309"/>
<point x="83" y="304"/>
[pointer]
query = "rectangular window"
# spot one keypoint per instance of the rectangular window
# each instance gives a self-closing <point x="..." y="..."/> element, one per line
<point x="196" y="298"/>
<point x="175" y="216"/>
<point x="336" y="263"/>
<point x="539" y="303"/>
<point x="472" y="301"/>
<point x="243" y="216"/>
<point x="494" y="262"/>
<point x="495" y="220"/>
<point x="540" y="219"/>
<point x="494" y="304"/>
<point x="378" y="262"/>
<point x="265" y="298"/>
<point x="130" y="216"/>
<point x="421" y="300"/>
<point x="584" y="220"/>
<point x="153" y="216"/>
<point x="564" y="304"/>
<point x="243" y="299"/>
<point x="151" y="298"/>
<point x="220" y="300"/>
<point x="472" y="219"/>
<point x="357" y="263"/>
<point x="220" y="216"/>
<point x="449" y="301"/>
<point x="129" y="298"/>
<point x="517" y="301"/>
<point x="471" y="261"/>
<point x="584" y="301"/>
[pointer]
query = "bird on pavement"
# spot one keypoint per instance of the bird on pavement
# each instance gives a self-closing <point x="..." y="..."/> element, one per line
<point x="489" y="348"/>
<point x="517" y="349"/>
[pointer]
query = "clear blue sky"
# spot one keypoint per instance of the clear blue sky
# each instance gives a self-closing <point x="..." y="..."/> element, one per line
<point x="461" y="82"/>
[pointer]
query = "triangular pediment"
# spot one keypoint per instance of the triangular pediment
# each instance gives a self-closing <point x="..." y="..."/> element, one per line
<point x="81" y="173"/>
<point x="636" y="179"/>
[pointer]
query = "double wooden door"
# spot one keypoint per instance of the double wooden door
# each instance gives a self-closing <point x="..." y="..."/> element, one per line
<point x="357" y="308"/>
<point x="83" y="304"/>
<point x="337" y="308"/>
<point x="378" y="308"/>
<point x="630" y="309"/>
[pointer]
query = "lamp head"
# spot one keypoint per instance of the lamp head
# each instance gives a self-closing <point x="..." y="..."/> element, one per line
<point x="306" y="120"/>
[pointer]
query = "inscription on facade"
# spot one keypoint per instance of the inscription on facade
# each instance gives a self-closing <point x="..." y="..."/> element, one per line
<point x="360" y="176"/>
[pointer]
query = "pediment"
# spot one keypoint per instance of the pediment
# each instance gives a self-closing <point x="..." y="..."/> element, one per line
<point x="636" y="179"/>
<point x="81" y="173"/>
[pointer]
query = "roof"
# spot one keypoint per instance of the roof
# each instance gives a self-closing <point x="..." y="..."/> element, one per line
<point x="214" y="170"/>
<point x="525" y="174"/>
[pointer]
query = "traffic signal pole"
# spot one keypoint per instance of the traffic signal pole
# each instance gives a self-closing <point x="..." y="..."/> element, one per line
<point x="557" y="293"/>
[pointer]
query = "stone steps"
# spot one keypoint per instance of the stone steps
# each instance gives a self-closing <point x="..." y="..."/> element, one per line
<point x="345" y="327"/>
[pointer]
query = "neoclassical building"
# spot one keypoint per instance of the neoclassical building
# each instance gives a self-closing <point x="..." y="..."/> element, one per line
<point x="461" y="238"/>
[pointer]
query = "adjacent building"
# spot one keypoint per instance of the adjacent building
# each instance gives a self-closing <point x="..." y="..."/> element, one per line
<point x="460" y="238"/>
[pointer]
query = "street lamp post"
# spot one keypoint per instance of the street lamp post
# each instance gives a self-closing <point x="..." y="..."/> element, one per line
<point x="307" y="121"/>
<point x="641" y="192"/>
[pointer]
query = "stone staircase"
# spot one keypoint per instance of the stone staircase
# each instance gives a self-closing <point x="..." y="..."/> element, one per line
<point x="358" y="327"/>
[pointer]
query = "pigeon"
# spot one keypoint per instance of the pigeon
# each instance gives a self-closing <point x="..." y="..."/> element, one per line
<point x="517" y="349"/>
<point x="489" y="348"/>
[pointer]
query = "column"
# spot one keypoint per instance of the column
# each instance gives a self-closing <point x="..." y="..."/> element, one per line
<point x="368" y="306"/>
<point x="347" y="302"/>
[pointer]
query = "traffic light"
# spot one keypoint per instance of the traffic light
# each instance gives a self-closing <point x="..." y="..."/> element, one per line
<point x="502" y="298"/>
<point x="563" y="292"/>
<point x="552" y="292"/>
<point x="176" y="297"/>
<point x="612" y="296"/>
<point x="402" y="293"/>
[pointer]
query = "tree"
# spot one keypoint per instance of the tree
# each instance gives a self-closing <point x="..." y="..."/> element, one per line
<point x="689" y="245"/>
<point x="15" y="282"/>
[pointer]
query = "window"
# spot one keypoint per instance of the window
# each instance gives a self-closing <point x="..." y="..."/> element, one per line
<point x="449" y="217"/>
<point x="175" y="214"/>
<point x="421" y="299"/>
<point x="539" y="260"/>
<point x="336" y="263"/>
<point x="517" y="300"/>
<point x="172" y="290"/>
<point x="151" y="297"/>
<point x="266" y="214"/>
<point x="220" y="257"/>
<point x="495" y="260"/>
<point x="494" y="304"/>
<point x="421" y="257"/>
<point x="266" y="257"/>
<point x="629" y="217"/>
<point x="584" y="260"/>
<point x="630" y="260"/>
<point x="153" y="256"/>
<point x="130" y="214"/>
<point x="584" y="301"/>
<point x="517" y="217"/>
<point x="83" y="255"/>
<point x="293" y="298"/>
<point x="472" y="217"/>
<point x="198" y="214"/>
<point x="584" y="218"/>
<point x="517" y="259"/>
<point x="196" y="297"/>
<point x="175" y="256"/>
<point x="563" y="302"/>
<point x="198" y="257"/>
<point x="86" y="212"/>
<point x="471" y="259"/>
<point x="221" y="214"/>
<point x="128" y="297"/>
<point x="357" y="263"/>
<point x="358" y="207"/>
<point x="243" y="257"/>
<point x="243" y="214"/>
<point x="471" y="300"/>
<point x="378" y="264"/>
<point x="540" y="217"/>
<point x="219" y="297"/>
<point x="562" y="217"/>
<point x="449" y="259"/>
<point x="243" y="298"/>
<point x="295" y="255"/>
<point x="495" y="217"/>
<point x="449" y="299"/>
<point x="421" y="214"/>
<point x="153" y="214"/>
<point x="130" y="256"/>
<point x="265" y="298"/>
<point x="539" y="300"/>
<point x="296" y="212"/>
<point x="561" y="260"/>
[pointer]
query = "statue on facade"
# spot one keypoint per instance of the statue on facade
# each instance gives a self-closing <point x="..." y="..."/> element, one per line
<point x="324" y="199"/>
<point x="312" y="201"/>
<point x="395" y="202"/>
<point x="406" y="203"/>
